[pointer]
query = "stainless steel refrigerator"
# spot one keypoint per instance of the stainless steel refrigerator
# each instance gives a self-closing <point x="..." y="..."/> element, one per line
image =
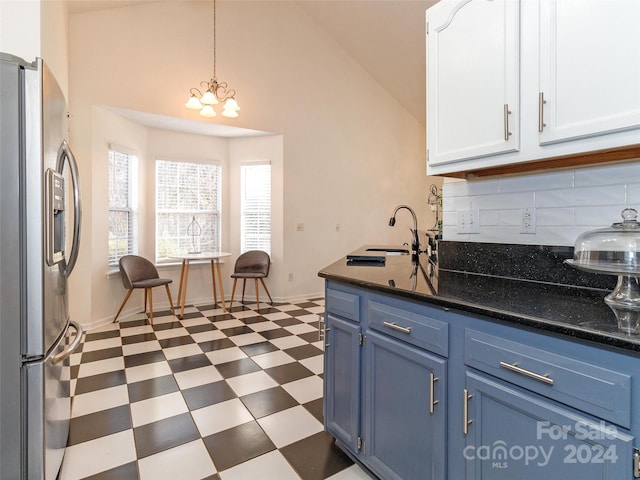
<point x="40" y="216"/>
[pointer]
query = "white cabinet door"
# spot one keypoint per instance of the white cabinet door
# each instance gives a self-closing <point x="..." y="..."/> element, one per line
<point x="472" y="79"/>
<point x="589" y="68"/>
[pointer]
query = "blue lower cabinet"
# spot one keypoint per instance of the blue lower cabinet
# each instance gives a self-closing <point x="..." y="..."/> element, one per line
<point x="414" y="392"/>
<point x="342" y="380"/>
<point x="512" y="433"/>
<point x="404" y="410"/>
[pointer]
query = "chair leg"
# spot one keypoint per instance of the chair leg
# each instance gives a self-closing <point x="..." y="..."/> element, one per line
<point x="244" y="284"/>
<point x="170" y="301"/>
<point x="257" y="296"/>
<point x="150" y="304"/>
<point x="145" y="300"/>
<point x="126" y="297"/>
<point x="266" y="290"/>
<point x="233" y="292"/>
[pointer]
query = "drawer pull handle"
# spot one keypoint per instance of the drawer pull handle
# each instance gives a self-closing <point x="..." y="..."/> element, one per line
<point x="393" y="326"/>
<point x="465" y="411"/>
<point x="432" y="402"/>
<point x="536" y="376"/>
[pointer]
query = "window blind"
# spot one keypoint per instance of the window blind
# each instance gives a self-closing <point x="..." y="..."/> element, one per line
<point x="123" y="205"/>
<point x="256" y="207"/>
<point x="186" y="194"/>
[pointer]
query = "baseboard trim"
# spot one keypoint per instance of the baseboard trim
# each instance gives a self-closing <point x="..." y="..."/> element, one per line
<point x="89" y="326"/>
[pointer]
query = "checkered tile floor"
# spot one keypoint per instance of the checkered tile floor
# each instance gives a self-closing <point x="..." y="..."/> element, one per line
<point x="226" y="396"/>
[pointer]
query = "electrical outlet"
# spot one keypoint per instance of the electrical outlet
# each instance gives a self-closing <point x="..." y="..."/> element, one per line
<point x="291" y="277"/>
<point x="528" y="220"/>
<point x="464" y="217"/>
<point x="299" y="227"/>
<point x="469" y="221"/>
<point x="474" y="221"/>
<point x="337" y="227"/>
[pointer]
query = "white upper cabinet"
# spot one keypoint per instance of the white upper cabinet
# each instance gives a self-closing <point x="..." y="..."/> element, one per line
<point x="568" y="71"/>
<point x="589" y="68"/>
<point x="473" y="79"/>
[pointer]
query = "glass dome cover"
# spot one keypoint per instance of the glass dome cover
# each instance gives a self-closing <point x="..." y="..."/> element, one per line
<point x="615" y="251"/>
<point x="612" y="250"/>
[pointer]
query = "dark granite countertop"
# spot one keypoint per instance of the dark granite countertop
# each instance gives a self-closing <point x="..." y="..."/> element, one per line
<point x="575" y="311"/>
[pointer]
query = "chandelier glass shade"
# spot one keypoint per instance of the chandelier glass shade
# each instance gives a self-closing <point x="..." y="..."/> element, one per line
<point x="213" y="92"/>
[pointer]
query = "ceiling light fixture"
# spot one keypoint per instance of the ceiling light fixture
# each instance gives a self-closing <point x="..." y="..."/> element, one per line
<point x="214" y="92"/>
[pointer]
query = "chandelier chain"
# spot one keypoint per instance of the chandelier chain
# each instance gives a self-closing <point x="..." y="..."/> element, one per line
<point x="214" y="39"/>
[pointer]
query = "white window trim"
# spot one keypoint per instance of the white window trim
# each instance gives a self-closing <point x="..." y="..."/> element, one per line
<point x="217" y="212"/>
<point x="133" y="197"/>
<point x="257" y="245"/>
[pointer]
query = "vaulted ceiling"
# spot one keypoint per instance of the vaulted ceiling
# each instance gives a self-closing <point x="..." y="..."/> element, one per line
<point x="386" y="37"/>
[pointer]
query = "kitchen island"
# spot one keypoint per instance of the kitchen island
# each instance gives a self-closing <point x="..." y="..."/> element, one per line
<point x="436" y="373"/>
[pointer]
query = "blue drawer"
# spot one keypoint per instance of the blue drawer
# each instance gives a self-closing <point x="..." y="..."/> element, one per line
<point x="415" y="328"/>
<point x="585" y="386"/>
<point x="343" y="304"/>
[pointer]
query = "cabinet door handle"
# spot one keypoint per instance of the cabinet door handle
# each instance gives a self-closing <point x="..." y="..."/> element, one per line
<point x="322" y="332"/>
<point x="541" y="102"/>
<point x="507" y="133"/>
<point x="432" y="402"/>
<point x="536" y="376"/>
<point x="465" y="412"/>
<point x="393" y="326"/>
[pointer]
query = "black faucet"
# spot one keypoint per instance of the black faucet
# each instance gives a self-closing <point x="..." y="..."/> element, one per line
<point x="415" y="243"/>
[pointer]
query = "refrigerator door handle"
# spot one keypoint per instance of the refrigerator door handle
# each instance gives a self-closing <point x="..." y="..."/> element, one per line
<point x="64" y="153"/>
<point x="72" y="347"/>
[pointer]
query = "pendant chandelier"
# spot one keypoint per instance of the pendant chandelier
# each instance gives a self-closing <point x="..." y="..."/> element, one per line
<point x="215" y="92"/>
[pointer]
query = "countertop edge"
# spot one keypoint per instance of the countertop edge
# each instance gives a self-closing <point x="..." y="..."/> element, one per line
<point x="565" y="330"/>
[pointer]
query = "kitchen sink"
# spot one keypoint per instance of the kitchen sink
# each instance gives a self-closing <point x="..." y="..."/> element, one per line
<point x="391" y="251"/>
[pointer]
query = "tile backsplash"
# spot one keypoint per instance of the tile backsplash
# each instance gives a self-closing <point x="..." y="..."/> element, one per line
<point x="566" y="203"/>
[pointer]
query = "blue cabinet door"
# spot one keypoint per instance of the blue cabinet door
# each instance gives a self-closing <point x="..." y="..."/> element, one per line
<point x="342" y="381"/>
<point x="404" y="410"/>
<point x="515" y="434"/>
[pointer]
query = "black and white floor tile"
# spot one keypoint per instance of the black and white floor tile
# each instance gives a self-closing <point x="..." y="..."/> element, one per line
<point x="216" y="396"/>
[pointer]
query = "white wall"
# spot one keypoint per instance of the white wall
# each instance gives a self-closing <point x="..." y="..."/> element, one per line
<point x="31" y="28"/>
<point x="96" y="296"/>
<point x="20" y="28"/>
<point x="567" y="203"/>
<point x="54" y="44"/>
<point x="350" y="151"/>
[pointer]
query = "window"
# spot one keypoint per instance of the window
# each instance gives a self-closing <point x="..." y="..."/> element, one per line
<point x="256" y="207"/>
<point x="123" y="205"/>
<point x="186" y="192"/>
